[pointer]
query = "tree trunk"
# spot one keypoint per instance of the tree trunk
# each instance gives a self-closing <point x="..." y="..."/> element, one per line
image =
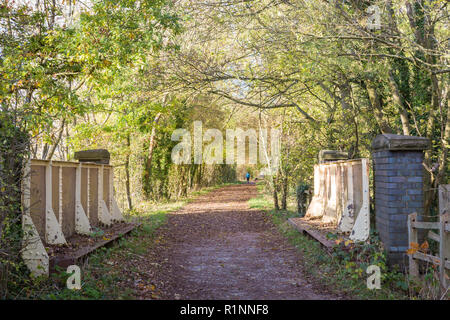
<point x="424" y="34"/>
<point x="445" y="143"/>
<point x="56" y="143"/>
<point x="284" y="193"/>
<point x="152" y="141"/>
<point x="148" y="163"/>
<point x="127" y="173"/>
<point x="44" y="151"/>
<point x="401" y="106"/>
<point x="430" y="178"/>
<point x="275" y="195"/>
<point x="377" y="108"/>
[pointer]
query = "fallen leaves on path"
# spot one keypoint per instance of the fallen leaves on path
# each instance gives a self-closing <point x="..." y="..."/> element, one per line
<point x="218" y="248"/>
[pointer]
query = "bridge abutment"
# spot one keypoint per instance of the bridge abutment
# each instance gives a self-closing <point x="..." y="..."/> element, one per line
<point x="398" y="184"/>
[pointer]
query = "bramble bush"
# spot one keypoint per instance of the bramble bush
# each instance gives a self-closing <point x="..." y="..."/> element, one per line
<point x="357" y="257"/>
<point x="13" y="153"/>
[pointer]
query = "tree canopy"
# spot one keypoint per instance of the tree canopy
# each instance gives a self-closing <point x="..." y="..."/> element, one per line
<point x="124" y="74"/>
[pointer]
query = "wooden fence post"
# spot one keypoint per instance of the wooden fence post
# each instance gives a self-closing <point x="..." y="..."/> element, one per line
<point x="444" y="249"/>
<point x="444" y="199"/>
<point x="412" y="238"/>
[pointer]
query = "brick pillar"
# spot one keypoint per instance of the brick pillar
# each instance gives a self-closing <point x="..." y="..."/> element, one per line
<point x="398" y="175"/>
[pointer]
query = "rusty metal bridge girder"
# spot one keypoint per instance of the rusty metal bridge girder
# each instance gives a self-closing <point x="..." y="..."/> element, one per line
<point x="341" y="196"/>
<point x="61" y="199"/>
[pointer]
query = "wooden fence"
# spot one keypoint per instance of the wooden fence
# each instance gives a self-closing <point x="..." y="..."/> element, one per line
<point x="61" y="199"/>
<point x="443" y="237"/>
<point x="341" y="196"/>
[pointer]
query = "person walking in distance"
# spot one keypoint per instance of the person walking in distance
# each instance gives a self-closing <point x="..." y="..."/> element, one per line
<point x="247" y="176"/>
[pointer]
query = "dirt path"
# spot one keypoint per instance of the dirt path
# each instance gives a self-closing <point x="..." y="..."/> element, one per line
<point x="218" y="248"/>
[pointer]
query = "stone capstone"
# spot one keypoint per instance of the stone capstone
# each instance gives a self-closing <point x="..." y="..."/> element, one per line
<point x="100" y="156"/>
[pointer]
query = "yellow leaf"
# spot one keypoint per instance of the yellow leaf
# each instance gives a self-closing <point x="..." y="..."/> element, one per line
<point x="413" y="248"/>
<point x="424" y="246"/>
<point x="348" y="242"/>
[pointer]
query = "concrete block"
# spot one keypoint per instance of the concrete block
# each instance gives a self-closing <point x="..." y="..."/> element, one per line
<point x="393" y="142"/>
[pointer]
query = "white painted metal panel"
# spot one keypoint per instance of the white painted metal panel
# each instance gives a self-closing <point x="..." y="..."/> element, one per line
<point x="339" y="200"/>
<point x="53" y="230"/>
<point x="82" y="225"/>
<point x="103" y="213"/>
<point x="33" y="253"/>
